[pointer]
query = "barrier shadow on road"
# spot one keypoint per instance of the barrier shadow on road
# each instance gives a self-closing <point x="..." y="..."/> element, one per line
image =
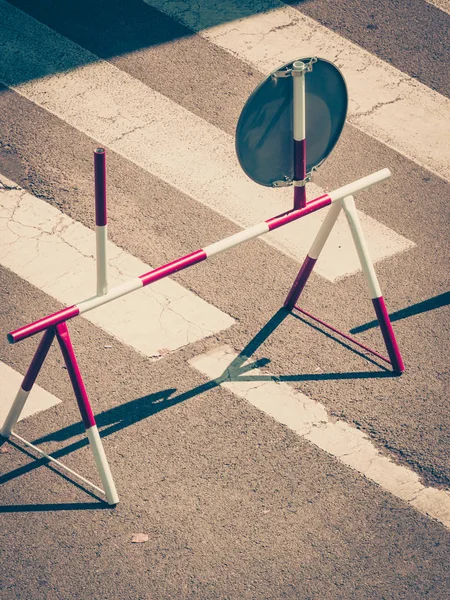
<point x="120" y="417"/>
<point x="98" y="502"/>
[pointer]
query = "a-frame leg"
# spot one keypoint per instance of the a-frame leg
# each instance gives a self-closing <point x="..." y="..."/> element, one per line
<point x="28" y="382"/>
<point x="63" y="337"/>
<point x="369" y="272"/>
<point x="313" y="255"/>
<point x="62" y="334"/>
<point x="375" y="291"/>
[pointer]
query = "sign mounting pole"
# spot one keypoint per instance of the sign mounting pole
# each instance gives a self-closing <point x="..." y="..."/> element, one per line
<point x="299" y="69"/>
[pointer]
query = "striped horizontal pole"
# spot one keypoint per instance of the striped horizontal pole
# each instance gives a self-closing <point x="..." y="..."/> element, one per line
<point x="193" y="258"/>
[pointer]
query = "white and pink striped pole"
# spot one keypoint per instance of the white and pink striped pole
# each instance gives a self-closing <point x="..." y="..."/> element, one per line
<point x="27" y="383"/>
<point x="101" y="221"/>
<point x="195" y="257"/>
<point x="372" y="281"/>
<point x="63" y="337"/>
<point x="299" y="70"/>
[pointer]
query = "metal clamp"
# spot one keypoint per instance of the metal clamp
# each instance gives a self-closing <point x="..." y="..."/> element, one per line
<point x="308" y="66"/>
<point x="283" y="182"/>
<point x="302" y="182"/>
<point x="278" y="74"/>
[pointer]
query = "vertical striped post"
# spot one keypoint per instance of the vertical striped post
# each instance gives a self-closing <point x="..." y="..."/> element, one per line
<point x="28" y="382"/>
<point x="299" y="121"/>
<point x="62" y="334"/>
<point x="313" y="255"/>
<point x="101" y="227"/>
<point x="375" y="291"/>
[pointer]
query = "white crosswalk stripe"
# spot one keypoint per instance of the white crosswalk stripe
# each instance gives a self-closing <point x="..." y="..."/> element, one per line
<point x="56" y="254"/>
<point x="443" y="5"/>
<point x="172" y="143"/>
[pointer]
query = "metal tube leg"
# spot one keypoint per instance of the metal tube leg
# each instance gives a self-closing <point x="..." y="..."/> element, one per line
<point x="62" y="334"/>
<point x="28" y="382"/>
<point x="374" y="287"/>
<point x="101" y="221"/>
<point x="313" y="255"/>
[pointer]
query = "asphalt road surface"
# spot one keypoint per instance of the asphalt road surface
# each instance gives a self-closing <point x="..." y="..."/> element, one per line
<point x="259" y="455"/>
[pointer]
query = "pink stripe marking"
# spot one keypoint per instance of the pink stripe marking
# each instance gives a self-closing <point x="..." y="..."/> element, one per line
<point x="295" y="214"/>
<point x="62" y="333"/>
<point x="388" y="334"/>
<point x="300" y="281"/>
<point x="50" y="321"/>
<point x="101" y="218"/>
<point x="299" y="197"/>
<point x="38" y="360"/>
<point x="173" y="267"/>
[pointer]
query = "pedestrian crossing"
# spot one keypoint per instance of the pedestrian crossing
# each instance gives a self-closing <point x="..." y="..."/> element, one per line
<point x="192" y="155"/>
<point x="11" y="381"/>
<point x="443" y="5"/>
<point x="197" y="158"/>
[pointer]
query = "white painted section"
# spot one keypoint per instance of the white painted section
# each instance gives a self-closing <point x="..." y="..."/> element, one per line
<point x="57" y="255"/>
<point x="443" y="5"/>
<point x="383" y="101"/>
<point x="361" y="247"/>
<point x="299" y="116"/>
<point x="167" y="140"/>
<point x="117" y="292"/>
<point x="102" y="465"/>
<point x="14" y="412"/>
<point x="57" y="462"/>
<point x="360" y="184"/>
<point x="237" y="238"/>
<point x="101" y="238"/>
<point x="11" y="393"/>
<point x="325" y="230"/>
<point x="309" y="419"/>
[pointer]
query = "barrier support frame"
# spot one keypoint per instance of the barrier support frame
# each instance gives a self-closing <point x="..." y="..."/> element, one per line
<point x="348" y="204"/>
<point x="61" y="332"/>
<point x="56" y="323"/>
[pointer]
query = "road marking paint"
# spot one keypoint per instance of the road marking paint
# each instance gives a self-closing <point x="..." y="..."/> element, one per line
<point x="56" y="254"/>
<point x="38" y="400"/>
<point x="168" y="141"/>
<point x="384" y="103"/>
<point x="310" y="420"/>
<point x="443" y="5"/>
